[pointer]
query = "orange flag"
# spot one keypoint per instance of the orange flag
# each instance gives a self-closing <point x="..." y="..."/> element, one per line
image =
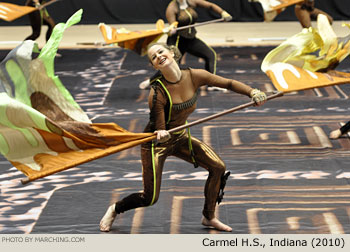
<point x="10" y="12"/>
<point x="288" y="78"/>
<point x="59" y="151"/>
<point x="136" y="41"/>
<point x="272" y="8"/>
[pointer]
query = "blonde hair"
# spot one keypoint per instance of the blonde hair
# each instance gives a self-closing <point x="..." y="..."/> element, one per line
<point x="171" y="48"/>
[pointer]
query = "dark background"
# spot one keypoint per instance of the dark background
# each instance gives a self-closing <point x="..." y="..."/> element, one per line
<point x="149" y="11"/>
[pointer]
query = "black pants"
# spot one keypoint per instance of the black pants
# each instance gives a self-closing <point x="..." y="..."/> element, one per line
<point x="37" y="19"/>
<point x="197" y="48"/>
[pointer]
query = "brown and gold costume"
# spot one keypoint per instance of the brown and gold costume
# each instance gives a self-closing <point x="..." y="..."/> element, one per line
<point x="306" y="11"/>
<point x="171" y="104"/>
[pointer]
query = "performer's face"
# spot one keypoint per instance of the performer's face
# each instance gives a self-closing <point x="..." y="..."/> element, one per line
<point x="160" y="56"/>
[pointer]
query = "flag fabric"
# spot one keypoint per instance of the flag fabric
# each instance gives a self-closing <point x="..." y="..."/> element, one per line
<point x="10" y="12"/>
<point x="308" y="59"/>
<point x="42" y="129"/>
<point x="272" y="8"/>
<point x="289" y="78"/>
<point x="136" y="41"/>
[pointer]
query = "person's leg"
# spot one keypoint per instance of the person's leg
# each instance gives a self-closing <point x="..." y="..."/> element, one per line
<point x="48" y="20"/>
<point x="206" y="157"/>
<point x="180" y="42"/>
<point x="303" y="16"/>
<point x="35" y="23"/>
<point x="153" y="159"/>
<point x="200" y="49"/>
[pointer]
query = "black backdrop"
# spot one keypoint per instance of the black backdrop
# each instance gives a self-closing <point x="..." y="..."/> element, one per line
<point x="148" y="11"/>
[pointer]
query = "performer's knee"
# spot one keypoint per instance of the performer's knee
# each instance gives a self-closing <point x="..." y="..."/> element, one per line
<point x="210" y="57"/>
<point x="219" y="169"/>
<point x="35" y="35"/>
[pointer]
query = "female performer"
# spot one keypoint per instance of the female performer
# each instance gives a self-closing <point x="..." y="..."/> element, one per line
<point x="306" y="11"/>
<point x="171" y="100"/>
<point x="183" y="12"/>
<point x="37" y="18"/>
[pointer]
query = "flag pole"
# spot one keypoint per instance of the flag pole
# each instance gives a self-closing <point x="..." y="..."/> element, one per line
<point x="208" y="118"/>
<point x="205" y="119"/>
<point x="200" y="24"/>
<point x="182" y="27"/>
<point x="47" y="4"/>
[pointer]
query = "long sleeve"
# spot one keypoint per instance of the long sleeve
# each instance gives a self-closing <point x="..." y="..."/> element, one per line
<point x="202" y="77"/>
<point x="157" y="104"/>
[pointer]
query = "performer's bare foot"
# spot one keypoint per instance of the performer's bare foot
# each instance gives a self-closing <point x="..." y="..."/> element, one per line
<point x="335" y="134"/>
<point x="215" y="223"/>
<point x="108" y="219"/>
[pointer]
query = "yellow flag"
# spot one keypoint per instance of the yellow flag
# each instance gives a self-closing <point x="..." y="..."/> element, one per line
<point x="308" y="59"/>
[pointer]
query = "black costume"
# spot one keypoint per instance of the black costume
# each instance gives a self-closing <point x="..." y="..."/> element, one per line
<point x="37" y="19"/>
<point x="186" y="40"/>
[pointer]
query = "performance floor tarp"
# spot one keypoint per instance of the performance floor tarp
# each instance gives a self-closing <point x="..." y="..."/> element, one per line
<point x="287" y="176"/>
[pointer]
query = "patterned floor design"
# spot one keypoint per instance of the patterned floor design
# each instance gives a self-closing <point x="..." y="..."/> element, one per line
<point x="287" y="176"/>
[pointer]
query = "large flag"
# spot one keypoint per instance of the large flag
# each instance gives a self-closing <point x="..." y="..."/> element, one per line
<point x="42" y="129"/>
<point x="288" y="78"/>
<point x="272" y="8"/>
<point x="136" y="41"/>
<point x="308" y="59"/>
